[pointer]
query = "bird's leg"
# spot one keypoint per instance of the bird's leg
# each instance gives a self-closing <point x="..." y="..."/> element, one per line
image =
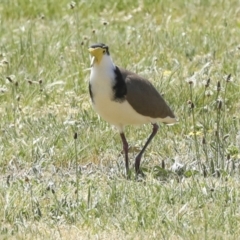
<point x="125" y="149"/>
<point x="139" y="156"/>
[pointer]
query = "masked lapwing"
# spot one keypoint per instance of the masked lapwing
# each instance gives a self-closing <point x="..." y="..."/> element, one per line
<point x="124" y="98"/>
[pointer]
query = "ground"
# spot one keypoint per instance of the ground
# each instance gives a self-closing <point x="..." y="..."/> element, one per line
<point x="62" y="173"/>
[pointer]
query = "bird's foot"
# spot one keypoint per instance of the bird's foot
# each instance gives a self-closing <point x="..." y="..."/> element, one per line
<point x="128" y="173"/>
<point x="140" y="175"/>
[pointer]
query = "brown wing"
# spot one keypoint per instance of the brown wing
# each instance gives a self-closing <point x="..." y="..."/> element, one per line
<point x="144" y="97"/>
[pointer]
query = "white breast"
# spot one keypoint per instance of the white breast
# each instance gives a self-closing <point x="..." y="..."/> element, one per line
<point x="102" y="79"/>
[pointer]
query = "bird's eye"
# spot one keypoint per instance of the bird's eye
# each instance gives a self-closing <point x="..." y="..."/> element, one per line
<point x="104" y="51"/>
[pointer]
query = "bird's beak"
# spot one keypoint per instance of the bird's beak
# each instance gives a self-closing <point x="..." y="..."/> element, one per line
<point x="97" y="54"/>
<point x="91" y="50"/>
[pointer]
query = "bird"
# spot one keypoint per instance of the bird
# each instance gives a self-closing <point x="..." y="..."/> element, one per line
<point x="123" y="98"/>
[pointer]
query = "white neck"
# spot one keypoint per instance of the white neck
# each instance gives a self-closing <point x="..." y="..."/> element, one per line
<point x="102" y="74"/>
<point x="106" y="63"/>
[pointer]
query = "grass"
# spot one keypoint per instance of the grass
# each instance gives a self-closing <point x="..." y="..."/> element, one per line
<point x="61" y="169"/>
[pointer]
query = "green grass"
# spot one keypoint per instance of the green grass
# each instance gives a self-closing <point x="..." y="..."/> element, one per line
<point x="55" y="186"/>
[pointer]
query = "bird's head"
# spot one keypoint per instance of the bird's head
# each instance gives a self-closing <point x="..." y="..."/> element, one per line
<point x="98" y="51"/>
